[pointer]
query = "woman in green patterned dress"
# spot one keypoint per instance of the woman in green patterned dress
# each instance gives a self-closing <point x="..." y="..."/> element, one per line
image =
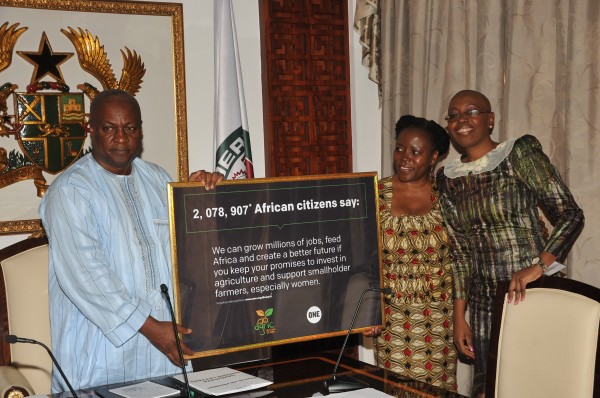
<point x="489" y="199"/>
<point x="417" y="339"/>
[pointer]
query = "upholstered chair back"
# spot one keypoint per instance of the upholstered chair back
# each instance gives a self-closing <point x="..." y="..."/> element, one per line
<point x="25" y="314"/>
<point x="546" y="345"/>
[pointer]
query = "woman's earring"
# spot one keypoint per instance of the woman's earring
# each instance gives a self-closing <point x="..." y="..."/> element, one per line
<point x="432" y="175"/>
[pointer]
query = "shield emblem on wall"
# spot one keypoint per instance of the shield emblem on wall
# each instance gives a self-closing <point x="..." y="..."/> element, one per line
<point x="52" y="128"/>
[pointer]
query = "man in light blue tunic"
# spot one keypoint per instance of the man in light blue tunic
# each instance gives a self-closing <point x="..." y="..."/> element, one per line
<point x="106" y="218"/>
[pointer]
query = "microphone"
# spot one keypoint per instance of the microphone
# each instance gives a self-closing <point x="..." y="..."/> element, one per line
<point x="12" y="339"/>
<point x="165" y="291"/>
<point x="334" y="385"/>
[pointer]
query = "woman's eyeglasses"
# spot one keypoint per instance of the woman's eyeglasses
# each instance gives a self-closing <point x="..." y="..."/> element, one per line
<point x="470" y="113"/>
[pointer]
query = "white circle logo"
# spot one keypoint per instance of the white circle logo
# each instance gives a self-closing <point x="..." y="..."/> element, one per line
<point x="313" y="314"/>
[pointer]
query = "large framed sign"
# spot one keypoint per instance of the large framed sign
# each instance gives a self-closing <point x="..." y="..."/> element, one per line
<point x="270" y="261"/>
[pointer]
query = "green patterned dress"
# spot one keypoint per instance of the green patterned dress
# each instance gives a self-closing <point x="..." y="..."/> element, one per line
<point x="490" y="207"/>
<point x="417" y="339"/>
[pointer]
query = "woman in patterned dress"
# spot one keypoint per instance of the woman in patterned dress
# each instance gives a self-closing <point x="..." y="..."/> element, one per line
<point x="417" y="339"/>
<point x="489" y="200"/>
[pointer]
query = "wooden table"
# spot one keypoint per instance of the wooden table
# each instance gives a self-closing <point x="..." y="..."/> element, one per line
<point x="303" y="377"/>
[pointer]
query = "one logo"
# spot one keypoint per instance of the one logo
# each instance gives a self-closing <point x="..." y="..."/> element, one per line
<point x="313" y="314"/>
<point x="263" y="324"/>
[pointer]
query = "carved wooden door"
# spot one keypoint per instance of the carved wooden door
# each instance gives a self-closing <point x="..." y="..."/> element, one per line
<point x="306" y="87"/>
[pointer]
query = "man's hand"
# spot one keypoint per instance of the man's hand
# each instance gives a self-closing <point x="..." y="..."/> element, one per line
<point x="373" y="332"/>
<point x="209" y="179"/>
<point x="162" y="337"/>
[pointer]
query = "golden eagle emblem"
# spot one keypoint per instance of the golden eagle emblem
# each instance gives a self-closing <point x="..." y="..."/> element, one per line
<point x="94" y="60"/>
<point x="8" y="38"/>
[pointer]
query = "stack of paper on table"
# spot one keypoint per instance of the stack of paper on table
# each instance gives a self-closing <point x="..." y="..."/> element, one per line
<point x="222" y="381"/>
<point x="146" y="389"/>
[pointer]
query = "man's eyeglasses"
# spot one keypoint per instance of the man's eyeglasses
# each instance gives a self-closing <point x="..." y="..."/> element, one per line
<point x="470" y="113"/>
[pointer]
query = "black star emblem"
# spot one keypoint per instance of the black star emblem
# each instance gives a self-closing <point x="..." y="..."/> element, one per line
<point x="45" y="61"/>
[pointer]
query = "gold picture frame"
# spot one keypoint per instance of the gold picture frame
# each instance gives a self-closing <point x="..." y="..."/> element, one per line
<point x="235" y="248"/>
<point x="153" y="30"/>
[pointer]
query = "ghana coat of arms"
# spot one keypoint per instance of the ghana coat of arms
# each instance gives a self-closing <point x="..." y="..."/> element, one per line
<point x="48" y="120"/>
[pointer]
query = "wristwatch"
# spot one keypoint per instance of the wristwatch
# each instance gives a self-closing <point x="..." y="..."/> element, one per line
<point x="538" y="261"/>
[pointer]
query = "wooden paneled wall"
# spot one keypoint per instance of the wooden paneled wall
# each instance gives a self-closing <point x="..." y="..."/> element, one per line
<point x="306" y="87"/>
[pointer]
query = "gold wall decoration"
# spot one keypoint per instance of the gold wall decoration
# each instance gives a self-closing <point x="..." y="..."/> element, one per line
<point x="49" y="46"/>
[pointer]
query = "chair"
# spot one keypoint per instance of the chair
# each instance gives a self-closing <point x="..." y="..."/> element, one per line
<point x="547" y="345"/>
<point x="24" y="313"/>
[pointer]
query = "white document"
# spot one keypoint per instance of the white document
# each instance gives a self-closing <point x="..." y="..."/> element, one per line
<point x="146" y="389"/>
<point x="223" y="381"/>
<point x="554" y="268"/>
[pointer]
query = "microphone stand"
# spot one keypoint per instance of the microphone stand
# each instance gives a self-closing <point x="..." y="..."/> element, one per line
<point x="334" y="385"/>
<point x="165" y="291"/>
<point x="12" y="339"/>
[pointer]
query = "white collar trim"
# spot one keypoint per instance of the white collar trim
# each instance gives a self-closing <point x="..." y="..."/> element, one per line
<point x="491" y="160"/>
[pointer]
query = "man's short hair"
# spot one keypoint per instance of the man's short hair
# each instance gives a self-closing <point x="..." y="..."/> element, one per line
<point x="106" y="96"/>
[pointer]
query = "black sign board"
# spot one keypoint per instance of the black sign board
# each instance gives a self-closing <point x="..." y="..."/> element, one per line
<point x="261" y="262"/>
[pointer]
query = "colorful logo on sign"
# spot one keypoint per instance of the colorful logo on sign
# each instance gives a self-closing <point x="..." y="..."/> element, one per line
<point x="263" y="324"/>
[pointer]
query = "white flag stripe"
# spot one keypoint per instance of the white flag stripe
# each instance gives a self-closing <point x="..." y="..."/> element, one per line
<point x="226" y="68"/>
<point x="230" y="107"/>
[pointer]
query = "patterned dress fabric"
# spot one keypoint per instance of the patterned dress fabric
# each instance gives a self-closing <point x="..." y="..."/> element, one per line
<point x="417" y="339"/>
<point x="490" y="208"/>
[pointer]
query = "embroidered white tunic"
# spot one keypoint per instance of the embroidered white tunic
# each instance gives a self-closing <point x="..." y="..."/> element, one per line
<point x="109" y="253"/>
